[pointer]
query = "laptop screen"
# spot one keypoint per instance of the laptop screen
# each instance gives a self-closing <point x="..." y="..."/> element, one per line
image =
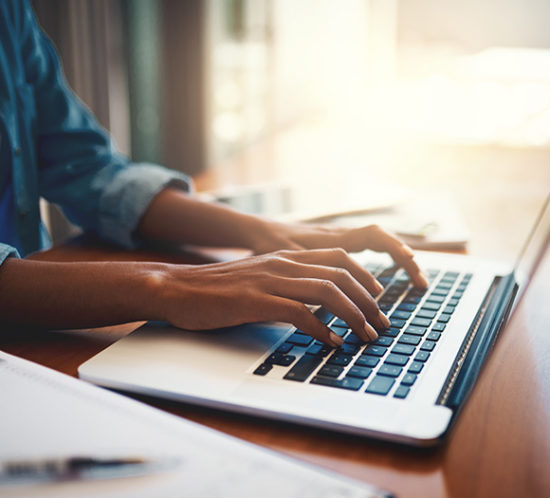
<point x="533" y="250"/>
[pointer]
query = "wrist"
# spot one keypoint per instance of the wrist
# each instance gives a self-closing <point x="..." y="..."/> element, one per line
<point x="151" y="283"/>
<point x="262" y="235"/>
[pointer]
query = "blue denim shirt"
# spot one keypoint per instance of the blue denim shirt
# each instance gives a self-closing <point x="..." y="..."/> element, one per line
<point x="52" y="147"/>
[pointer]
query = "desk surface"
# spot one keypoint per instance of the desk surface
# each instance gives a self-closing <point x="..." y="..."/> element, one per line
<point x="500" y="445"/>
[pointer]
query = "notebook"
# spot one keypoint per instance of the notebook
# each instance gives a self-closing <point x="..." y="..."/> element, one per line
<point x="48" y="416"/>
<point x="408" y="386"/>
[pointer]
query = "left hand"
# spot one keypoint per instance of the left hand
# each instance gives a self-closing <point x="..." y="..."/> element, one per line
<point x="277" y="236"/>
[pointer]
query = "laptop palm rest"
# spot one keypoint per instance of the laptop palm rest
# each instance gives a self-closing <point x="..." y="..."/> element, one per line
<point x="196" y="362"/>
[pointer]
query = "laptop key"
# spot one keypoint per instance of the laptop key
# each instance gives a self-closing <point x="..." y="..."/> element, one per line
<point x="421" y="322"/>
<point x="380" y="385"/>
<point x="401" y="392"/>
<point x="303" y="368"/>
<point x="300" y="340"/>
<point x="422" y="356"/>
<point x="349" y="349"/>
<point x="424" y="313"/>
<point x="390" y="370"/>
<point x="339" y="331"/>
<point x="431" y="306"/>
<point x="433" y="336"/>
<point x="409" y="339"/>
<point x="397" y="323"/>
<point x="406" y="307"/>
<point x="439" y="327"/>
<point x="340" y="323"/>
<point x="339" y="359"/>
<point x="428" y="345"/>
<point x="319" y="350"/>
<point x="359" y="372"/>
<point x="403" y="315"/>
<point x="448" y="309"/>
<point x="405" y="349"/>
<point x="367" y="361"/>
<point x="391" y="332"/>
<point x="415" y="367"/>
<point x="350" y="383"/>
<point x="283" y="360"/>
<point x="284" y="348"/>
<point x="324" y="315"/>
<point x="412" y="299"/>
<point x="444" y="318"/>
<point x="397" y="359"/>
<point x="450" y="274"/>
<point x="408" y="379"/>
<point x="263" y="369"/>
<point x="435" y="298"/>
<point x="375" y="350"/>
<point x="452" y="302"/>
<point x="330" y="371"/>
<point x="383" y="340"/>
<point x="415" y="330"/>
<point x="353" y="339"/>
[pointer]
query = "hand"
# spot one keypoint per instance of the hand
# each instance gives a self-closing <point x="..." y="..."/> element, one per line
<point x="273" y="287"/>
<point x="276" y="236"/>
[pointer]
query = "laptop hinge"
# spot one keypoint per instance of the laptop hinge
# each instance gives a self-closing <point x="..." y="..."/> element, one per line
<point x="479" y="341"/>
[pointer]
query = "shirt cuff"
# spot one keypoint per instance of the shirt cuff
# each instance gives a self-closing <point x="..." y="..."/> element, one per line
<point x="127" y="197"/>
<point x="6" y="252"/>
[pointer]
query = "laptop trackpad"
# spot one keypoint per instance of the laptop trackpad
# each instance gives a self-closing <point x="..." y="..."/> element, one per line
<point x="180" y="360"/>
<point x="250" y="340"/>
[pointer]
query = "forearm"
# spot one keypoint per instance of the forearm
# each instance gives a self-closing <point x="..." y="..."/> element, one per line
<point x="76" y="295"/>
<point x="174" y="216"/>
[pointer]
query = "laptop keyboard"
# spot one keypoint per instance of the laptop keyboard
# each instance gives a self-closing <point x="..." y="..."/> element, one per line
<point x="391" y="365"/>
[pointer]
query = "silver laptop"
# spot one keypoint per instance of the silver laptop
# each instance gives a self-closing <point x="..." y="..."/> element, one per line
<point x="408" y="386"/>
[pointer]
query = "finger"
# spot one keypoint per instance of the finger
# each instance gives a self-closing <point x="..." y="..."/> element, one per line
<point x="375" y="238"/>
<point x="296" y="313"/>
<point x="328" y="295"/>
<point x="342" y="279"/>
<point x="339" y="258"/>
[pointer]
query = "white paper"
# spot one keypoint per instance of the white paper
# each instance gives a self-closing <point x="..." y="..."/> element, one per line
<point x="45" y="414"/>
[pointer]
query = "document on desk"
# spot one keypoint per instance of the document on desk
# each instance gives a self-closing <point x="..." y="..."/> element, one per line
<point x="48" y="416"/>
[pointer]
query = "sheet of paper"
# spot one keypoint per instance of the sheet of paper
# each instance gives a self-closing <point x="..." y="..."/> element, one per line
<point x="45" y="414"/>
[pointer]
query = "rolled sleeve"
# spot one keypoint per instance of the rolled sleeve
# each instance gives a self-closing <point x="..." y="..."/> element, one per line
<point x="7" y="251"/>
<point x="126" y="198"/>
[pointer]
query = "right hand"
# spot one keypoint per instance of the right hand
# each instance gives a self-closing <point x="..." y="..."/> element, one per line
<point x="272" y="287"/>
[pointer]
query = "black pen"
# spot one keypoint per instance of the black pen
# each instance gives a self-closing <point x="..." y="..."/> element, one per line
<point x="79" y="468"/>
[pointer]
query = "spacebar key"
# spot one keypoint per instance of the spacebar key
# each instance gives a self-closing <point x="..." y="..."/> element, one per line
<point x="304" y="368"/>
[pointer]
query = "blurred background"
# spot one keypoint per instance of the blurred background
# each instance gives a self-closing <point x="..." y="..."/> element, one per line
<point x="315" y="107"/>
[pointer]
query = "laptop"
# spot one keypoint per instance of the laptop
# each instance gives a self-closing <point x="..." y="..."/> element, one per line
<point x="408" y="386"/>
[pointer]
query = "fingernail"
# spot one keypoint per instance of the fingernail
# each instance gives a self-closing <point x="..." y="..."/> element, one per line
<point x="378" y="287"/>
<point x="371" y="333"/>
<point x="336" y="339"/>
<point x="384" y="320"/>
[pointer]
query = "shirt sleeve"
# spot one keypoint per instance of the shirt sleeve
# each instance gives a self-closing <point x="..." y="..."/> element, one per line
<point x="79" y="168"/>
<point x="7" y="251"/>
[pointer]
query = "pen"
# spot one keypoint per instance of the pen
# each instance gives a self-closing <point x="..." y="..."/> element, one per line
<point x="78" y="468"/>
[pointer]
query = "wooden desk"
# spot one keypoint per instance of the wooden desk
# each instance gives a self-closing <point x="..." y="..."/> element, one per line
<point x="499" y="447"/>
